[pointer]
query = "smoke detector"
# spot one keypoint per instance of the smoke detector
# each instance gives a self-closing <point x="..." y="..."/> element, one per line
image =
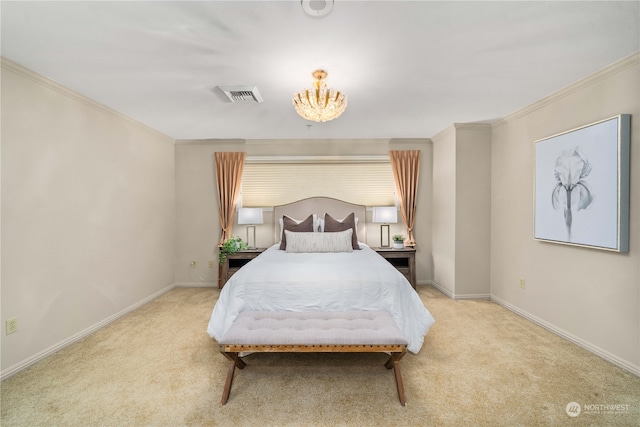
<point x="317" y="8"/>
<point x="242" y="93"/>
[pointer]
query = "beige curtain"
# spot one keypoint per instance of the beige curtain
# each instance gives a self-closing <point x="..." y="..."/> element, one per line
<point x="228" y="179"/>
<point x="406" y="170"/>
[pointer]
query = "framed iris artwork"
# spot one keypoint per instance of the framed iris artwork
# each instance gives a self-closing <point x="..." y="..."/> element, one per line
<point x="582" y="186"/>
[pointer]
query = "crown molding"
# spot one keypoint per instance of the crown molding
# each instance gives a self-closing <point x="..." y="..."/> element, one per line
<point x="444" y="133"/>
<point x="211" y="141"/>
<point x="474" y="126"/>
<point x="14" y="67"/>
<point x="616" y="67"/>
<point x="455" y="127"/>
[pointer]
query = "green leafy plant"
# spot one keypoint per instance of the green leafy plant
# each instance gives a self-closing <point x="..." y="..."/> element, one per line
<point x="398" y="238"/>
<point x="230" y="247"/>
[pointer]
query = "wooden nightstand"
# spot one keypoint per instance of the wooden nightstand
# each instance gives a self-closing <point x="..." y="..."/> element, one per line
<point x="234" y="263"/>
<point x="402" y="259"/>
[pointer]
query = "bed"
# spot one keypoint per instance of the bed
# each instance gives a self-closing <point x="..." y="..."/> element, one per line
<point x="308" y="290"/>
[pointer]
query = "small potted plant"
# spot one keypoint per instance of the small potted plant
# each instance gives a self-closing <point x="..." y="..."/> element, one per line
<point x="398" y="241"/>
<point x="230" y="247"/>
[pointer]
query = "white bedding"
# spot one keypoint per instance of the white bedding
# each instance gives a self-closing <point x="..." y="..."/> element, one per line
<point x="345" y="281"/>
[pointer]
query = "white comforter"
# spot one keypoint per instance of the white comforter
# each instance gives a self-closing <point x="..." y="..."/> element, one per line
<point x="346" y="281"/>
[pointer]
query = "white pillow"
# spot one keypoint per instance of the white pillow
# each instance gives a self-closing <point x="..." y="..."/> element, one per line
<point x="316" y="223"/>
<point x="311" y="242"/>
<point x="321" y="223"/>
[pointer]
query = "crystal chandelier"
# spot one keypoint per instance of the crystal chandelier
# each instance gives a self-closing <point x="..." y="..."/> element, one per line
<point x="319" y="104"/>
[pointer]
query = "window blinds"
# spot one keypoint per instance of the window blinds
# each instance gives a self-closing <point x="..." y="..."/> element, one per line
<point x="362" y="180"/>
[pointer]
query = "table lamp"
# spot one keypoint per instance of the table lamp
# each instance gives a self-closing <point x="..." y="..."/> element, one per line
<point x="250" y="217"/>
<point x="385" y="215"/>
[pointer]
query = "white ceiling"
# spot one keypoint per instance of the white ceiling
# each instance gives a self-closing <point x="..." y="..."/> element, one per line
<point x="408" y="68"/>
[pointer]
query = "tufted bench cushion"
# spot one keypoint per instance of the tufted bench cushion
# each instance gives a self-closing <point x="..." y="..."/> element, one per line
<point x="313" y="328"/>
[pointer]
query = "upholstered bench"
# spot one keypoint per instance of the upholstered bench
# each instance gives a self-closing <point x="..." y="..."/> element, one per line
<point x="319" y="332"/>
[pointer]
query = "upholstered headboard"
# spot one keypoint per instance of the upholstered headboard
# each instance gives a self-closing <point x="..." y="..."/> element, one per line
<point x="338" y="209"/>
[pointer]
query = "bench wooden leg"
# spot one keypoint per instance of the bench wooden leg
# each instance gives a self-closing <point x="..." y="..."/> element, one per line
<point x="239" y="363"/>
<point x="227" y="385"/>
<point x="396" y="369"/>
<point x="394" y="362"/>
<point x="235" y="362"/>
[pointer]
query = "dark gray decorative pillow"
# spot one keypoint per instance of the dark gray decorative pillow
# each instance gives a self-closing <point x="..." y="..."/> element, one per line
<point x="349" y="222"/>
<point x="291" y="225"/>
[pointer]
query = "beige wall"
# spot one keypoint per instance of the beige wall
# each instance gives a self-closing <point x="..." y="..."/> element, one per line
<point x="443" y="211"/>
<point x="473" y="210"/>
<point x="461" y="210"/>
<point x="88" y="215"/>
<point x="590" y="296"/>
<point x="197" y="206"/>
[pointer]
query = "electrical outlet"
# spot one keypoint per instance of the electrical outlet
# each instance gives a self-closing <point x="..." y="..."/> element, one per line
<point x="521" y="283"/>
<point x="12" y="326"/>
<point x="210" y="264"/>
<point x="193" y="264"/>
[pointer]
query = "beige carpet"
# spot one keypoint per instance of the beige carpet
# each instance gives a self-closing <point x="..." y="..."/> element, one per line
<point x="481" y="365"/>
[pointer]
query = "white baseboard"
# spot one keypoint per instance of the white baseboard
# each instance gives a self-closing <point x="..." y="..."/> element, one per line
<point x="442" y="289"/>
<point x="196" y="284"/>
<point x="452" y="295"/>
<point x="12" y="370"/>
<point x="472" y="296"/>
<point x="634" y="369"/>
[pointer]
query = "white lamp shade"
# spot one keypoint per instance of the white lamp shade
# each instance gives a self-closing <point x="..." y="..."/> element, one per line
<point x="385" y="214"/>
<point x="250" y="216"/>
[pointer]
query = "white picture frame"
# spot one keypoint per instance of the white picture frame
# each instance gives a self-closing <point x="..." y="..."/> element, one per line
<point x="581" y="186"/>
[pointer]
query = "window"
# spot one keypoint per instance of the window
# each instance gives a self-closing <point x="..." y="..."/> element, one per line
<point x="270" y="181"/>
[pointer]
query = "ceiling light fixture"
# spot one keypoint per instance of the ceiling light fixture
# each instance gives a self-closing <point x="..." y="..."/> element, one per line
<point x="317" y="8"/>
<point x="320" y="104"/>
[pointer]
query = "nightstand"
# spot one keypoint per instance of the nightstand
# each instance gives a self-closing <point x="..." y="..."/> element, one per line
<point x="235" y="262"/>
<point x="402" y="259"/>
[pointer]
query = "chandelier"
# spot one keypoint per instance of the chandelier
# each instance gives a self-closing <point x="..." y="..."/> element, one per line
<point x="319" y="104"/>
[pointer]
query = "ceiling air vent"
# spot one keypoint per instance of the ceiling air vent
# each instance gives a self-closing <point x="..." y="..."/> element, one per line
<point x="242" y="93"/>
